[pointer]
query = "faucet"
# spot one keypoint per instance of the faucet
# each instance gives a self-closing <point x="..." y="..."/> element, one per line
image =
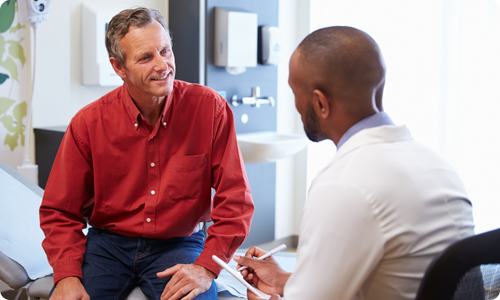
<point x="255" y="100"/>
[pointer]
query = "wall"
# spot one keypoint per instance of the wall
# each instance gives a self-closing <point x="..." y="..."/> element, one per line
<point x="290" y="172"/>
<point x="442" y="81"/>
<point x="261" y="177"/>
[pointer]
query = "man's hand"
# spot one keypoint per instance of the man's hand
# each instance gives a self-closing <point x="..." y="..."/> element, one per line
<point x="69" y="288"/>
<point x="187" y="282"/>
<point x="265" y="274"/>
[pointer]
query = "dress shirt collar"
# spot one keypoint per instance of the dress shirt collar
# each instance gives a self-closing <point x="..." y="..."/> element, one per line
<point x="378" y="119"/>
<point x="135" y="114"/>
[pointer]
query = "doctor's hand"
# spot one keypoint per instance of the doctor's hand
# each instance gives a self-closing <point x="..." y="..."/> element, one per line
<point x="187" y="282"/>
<point x="252" y="296"/>
<point x="266" y="275"/>
<point x="69" y="288"/>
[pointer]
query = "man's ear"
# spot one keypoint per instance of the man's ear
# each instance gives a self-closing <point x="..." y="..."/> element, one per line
<point x="321" y="104"/>
<point x="118" y="67"/>
<point x="378" y="97"/>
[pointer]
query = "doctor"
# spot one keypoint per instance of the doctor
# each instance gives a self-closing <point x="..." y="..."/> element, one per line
<point x="384" y="207"/>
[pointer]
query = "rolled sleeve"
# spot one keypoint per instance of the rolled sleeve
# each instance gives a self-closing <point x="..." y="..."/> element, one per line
<point x="61" y="216"/>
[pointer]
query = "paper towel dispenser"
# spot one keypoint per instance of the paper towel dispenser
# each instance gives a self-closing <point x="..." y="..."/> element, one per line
<point x="235" y="45"/>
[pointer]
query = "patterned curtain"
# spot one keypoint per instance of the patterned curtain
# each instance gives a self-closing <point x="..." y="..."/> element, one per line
<point x="13" y="84"/>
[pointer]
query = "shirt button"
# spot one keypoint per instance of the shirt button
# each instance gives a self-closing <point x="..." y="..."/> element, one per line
<point x="148" y="220"/>
<point x="152" y="165"/>
<point x="152" y="192"/>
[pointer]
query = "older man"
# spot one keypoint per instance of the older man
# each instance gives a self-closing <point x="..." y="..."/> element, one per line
<point x="138" y="165"/>
<point x="384" y="207"/>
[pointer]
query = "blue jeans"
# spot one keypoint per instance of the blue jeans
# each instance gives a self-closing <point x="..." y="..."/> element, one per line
<point x="113" y="264"/>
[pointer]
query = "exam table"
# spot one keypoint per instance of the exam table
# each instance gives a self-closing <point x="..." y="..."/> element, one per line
<point x="16" y="278"/>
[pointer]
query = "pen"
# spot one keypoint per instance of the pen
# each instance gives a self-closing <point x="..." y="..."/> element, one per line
<point x="275" y="250"/>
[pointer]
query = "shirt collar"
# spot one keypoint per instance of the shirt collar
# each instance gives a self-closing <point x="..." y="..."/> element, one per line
<point x="135" y="114"/>
<point x="378" y="119"/>
<point x="132" y="110"/>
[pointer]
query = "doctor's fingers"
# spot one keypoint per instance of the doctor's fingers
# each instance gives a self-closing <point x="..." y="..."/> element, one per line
<point x="252" y="296"/>
<point x="255" y="252"/>
<point x="256" y="264"/>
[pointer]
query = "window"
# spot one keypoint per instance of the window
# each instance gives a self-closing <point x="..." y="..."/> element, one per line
<point x="443" y="81"/>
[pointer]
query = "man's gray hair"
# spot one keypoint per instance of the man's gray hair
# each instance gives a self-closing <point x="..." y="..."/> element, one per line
<point x="119" y="25"/>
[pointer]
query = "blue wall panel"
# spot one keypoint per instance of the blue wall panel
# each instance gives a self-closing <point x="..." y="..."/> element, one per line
<point x="262" y="177"/>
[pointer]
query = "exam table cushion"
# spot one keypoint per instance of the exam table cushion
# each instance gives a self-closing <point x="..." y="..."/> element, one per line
<point x="12" y="273"/>
<point x="41" y="287"/>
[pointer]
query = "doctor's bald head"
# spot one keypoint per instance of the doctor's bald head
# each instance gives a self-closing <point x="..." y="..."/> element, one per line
<point x="346" y="59"/>
<point x="345" y="66"/>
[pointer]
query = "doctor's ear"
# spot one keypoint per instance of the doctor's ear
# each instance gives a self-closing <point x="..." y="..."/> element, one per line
<point x="321" y="104"/>
<point x="118" y="67"/>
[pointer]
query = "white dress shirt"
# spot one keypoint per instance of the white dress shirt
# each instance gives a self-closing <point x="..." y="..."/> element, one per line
<point x="375" y="217"/>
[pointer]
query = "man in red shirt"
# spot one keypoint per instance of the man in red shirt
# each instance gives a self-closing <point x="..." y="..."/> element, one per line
<point x="138" y="165"/>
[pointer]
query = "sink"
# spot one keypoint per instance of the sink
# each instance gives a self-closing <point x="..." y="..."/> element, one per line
<point x="269" y="146"/>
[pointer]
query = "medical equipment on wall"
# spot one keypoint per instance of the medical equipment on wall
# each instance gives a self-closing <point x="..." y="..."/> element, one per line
<point x="270" y="45"/>
<point x="97" y="69"/>
<point x="33" y="12"/>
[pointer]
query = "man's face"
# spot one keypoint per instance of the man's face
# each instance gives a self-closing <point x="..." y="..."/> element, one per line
<point x="297" y="80"/>
<point x="150" y="65"/>
<point x="311" y="125"/>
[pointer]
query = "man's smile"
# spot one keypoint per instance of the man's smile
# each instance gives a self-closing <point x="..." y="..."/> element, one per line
<point x="163" y="77"/>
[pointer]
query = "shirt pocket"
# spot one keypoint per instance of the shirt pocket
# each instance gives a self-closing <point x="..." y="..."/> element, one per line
<point x="187" y="176"/>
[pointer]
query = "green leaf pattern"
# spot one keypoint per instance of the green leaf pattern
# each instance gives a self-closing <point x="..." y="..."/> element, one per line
<point x="7" y="14"/>
<point x="2" y="46"/>
<point x="5" y="103"/>
<point x="16" y="50"/>
<point x="12" y="57"/>
<point x="16" y="28"/>
<point x="10" y="65"/>
<point x="8" y="122"/>
<point x="3" y="77"/>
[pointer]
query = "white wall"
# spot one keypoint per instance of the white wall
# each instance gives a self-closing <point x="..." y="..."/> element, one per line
<point x="291" y="172"/>
<point x="442" y="81"/>
<point x="59" y="89"/>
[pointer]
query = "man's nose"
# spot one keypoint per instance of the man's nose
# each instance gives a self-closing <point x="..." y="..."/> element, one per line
<point x="160" y="63"/>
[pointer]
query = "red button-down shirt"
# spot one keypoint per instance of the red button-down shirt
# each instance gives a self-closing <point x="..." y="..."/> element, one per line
<point x="115" y="170"/>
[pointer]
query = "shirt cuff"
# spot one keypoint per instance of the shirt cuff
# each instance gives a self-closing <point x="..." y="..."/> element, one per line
<point x="205" y="260"/>
<point x="67" y="268"/>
